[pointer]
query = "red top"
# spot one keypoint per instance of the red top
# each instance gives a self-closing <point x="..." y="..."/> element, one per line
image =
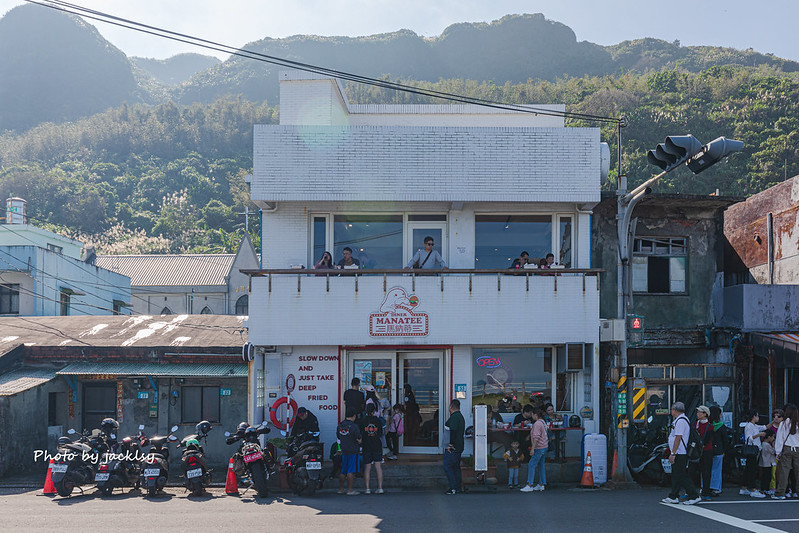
<point x="702" y="429"/>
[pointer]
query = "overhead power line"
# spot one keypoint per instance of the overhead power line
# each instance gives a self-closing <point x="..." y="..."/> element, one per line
<point x="107" y="18"/>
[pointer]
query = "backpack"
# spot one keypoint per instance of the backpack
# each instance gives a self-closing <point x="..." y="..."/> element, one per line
<point x="694" y="444"/>
<point x="400" y="426"/>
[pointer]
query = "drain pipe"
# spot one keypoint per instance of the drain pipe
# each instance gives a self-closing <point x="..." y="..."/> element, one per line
<point x="770" y="226"/>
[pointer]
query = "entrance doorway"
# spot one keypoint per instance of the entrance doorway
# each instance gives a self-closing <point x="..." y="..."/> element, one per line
<point x="99" y="402"/>
<point x="413" y="379"/>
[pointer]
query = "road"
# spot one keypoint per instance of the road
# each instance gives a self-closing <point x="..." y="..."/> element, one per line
<point x="567" y="510"/>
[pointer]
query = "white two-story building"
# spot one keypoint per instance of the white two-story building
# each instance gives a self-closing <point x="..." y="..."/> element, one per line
<point x="485" y="184"/>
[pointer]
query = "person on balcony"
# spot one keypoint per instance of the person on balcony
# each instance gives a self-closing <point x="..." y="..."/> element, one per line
<point x="427" y="258"/>
<point x="326" y="262"/>
<point x="348" y="260"/>
<point x="524" y="259"/>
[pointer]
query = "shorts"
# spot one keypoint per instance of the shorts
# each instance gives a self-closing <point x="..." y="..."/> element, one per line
<point x="350" y="464"/>
<point x="372" y="457"/>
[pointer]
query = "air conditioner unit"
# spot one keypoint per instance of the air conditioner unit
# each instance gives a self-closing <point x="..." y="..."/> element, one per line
<point x="611" y="330"/>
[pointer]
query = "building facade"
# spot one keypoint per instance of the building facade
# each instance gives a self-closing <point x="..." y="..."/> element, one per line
<point x="379" y="180"/>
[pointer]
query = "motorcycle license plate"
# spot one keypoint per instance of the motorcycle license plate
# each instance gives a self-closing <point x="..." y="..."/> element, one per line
<point x="253" y="457"/>
<point x="101" y="476"/>
<point x="60" y="468"/>
<point x="666" y="465"/>
<point x="197" y="472"/>
<point x="313" y="466"/>
<point x="152" y="472"/>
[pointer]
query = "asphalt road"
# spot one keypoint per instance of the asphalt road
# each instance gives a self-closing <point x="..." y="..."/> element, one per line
<point x="557" y="510"/>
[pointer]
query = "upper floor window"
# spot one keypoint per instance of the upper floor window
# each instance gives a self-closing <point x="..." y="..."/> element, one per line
<point x="9" y="299"/>
<point x="206" y="311"/>
<point x="64" y="303"/>
<point x="243" y="306"/>
<point x="55" y="248"/>
<point x="166" y="311"/>
<point x="659" y="265"/>
<point x="375" y="240"/>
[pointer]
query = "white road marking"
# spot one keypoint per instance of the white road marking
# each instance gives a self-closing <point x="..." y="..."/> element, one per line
<point x="778" y="520"/>
<point x="724" y="519"/>
<point x="750" y="501"/>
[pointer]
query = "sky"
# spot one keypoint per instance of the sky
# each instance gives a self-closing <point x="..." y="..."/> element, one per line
<point x="768" y="27"/>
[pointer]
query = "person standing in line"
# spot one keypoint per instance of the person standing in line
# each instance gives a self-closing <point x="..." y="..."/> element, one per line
<point x="678" y="457"/>
<point x="372" y="431"/>
<point x="767" y="461"/>
<point x="540" y="444"/>
<point x="720" y="440"/>
<point x="513" y="458"/>
<point x="354" y="399"/>
<point x="787" y="449"/>
<point x="705" y="430"/>
<point x="752" y="435"/>
<point x="394" y="431"/>
<point x="455" y="427"/>
<point x="349" y="437"/>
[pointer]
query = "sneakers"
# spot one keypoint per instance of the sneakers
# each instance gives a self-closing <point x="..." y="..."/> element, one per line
<point x="778" y="497"/>
<point x="379" y="491"/>
<point x="527" y="488"/>
<point x="692" y="501"/>
<point x="715" y="493"/>
<point x="539" y="488"/>
<point x="757" y="494"/>
<point x="341" y="491"/>
<point x="391" y="457"/>
<point x="352" y="493"/>
<point x="744" y="492"/>
<point x="367" y="491"/>
<point x="670" y="500"/>
<point x="451" y="491"/>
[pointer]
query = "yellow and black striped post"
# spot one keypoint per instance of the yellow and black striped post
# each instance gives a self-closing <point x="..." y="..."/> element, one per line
<point x="639" y="400"/>
<point x="621" y="413"/>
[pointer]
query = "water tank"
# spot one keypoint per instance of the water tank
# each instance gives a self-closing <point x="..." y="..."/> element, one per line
<point x="597" y="444"/>
<point x="16" y="211"/>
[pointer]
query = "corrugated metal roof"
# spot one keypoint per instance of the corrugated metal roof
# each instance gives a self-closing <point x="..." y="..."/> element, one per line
<point x="170" y="269"/>
<point x="787" y="337"/>
<point x="155" y="369"/>
<point x="23" y="379"/>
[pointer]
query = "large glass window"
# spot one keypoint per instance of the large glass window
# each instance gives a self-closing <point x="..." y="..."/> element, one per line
<point x="319" y="238"/>
<point x="499" y="239"/>
<point x="519" y="372"/>
<point x="9" y="299"/>
<point x="659" y="265"/>
<point x="565" y="245"/>
<point x="375" y="240"/>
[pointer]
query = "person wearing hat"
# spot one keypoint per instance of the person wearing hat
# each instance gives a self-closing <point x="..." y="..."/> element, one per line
<point x="706" y="431"/>
<point x="306" y="423"/>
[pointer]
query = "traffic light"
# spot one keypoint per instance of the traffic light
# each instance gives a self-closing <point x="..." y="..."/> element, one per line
<point x="674" y="152"/>
<point x="635" y="330"/>
<point x="712" y="153"/>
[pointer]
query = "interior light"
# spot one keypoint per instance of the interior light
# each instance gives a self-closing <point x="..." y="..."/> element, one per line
<point x="349" y="225"/>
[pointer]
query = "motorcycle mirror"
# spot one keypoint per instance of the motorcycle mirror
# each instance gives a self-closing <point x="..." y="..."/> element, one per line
<point x="71" y="431"/>
<point x="263" y="424"/>
<point x="283" y="432"/>
<point x="172" y="438"/>
<point x="227" y="433"/>
<point x="649" y="420"/>
<point x="314" y="433"/>
<point x="112" y="436"/>
<point x="742" y="425"/>
<point x="141" y="427"/>
<point x="174" y="428"/>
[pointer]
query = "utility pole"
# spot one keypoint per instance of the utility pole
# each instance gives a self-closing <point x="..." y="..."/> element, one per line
<point x="677" y="149"/>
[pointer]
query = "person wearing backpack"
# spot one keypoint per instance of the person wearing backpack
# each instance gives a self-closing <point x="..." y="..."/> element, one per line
<point x="752" y="434"/>
<point x="721" y="441"/>
<point x="678" y="439"/>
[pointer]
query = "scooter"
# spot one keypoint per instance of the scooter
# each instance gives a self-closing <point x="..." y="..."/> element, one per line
<point x="76" y="460"/>
<point x="252" y="463"/>
<point x="122" y="469"/>
<point x="647" y="456"/>
<point x="155" y="466"/>
<point x="196" y="474"/>
<point x="304" y="465"/>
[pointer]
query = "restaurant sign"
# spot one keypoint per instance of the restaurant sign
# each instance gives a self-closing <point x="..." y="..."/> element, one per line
<point x="397" y="316"/>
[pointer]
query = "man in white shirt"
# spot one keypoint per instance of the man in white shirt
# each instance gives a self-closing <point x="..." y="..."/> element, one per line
<point x="787" y="448"/>
<point x="680" y="433"/>
<point x="427" y="258"/>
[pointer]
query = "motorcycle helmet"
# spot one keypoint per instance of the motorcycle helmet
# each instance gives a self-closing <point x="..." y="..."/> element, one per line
<point x="574" y="421"/>
<point x="63" y="441"/>
<point x="242" y="427"/>
<point x="203" y="427"/>
<point x="109" y="425"/>
<point x="192" y="443"/>
<point x="251" y="431"/>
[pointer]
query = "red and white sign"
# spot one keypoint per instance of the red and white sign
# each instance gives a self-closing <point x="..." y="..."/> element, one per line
<point x="397" y="317"/>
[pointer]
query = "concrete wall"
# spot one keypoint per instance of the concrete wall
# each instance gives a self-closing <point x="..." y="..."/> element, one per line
<point x="766" y="308"/>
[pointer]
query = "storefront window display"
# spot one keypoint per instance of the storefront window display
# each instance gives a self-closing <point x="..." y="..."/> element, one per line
<point x="509" y="378"/>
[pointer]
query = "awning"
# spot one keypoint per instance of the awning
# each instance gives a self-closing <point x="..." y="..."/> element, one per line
<point x="23" y="379"/>
<point x="229" y="370"/>
<point x="784" y="346"/>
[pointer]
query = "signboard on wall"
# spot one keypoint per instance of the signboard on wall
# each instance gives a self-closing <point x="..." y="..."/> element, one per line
<point x="316" y="383"/>
<point x="397" y="316"/>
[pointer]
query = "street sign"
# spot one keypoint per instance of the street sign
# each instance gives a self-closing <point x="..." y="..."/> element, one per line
<point x="639" y="400"/>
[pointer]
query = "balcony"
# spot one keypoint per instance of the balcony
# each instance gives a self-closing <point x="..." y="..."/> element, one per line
<point x="751" y="307"/>
<point x="392" y="307"/>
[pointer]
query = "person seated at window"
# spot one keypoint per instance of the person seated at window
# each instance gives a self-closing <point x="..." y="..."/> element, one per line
<point x="524" y="259"/>
<point x="549" y="414"/>
<point x="348" y="260"/>
<point x="547" y="262"/>
<point x="326" y="262"/>
<point x="494" y="420"/>
<point x="427" y="258"/>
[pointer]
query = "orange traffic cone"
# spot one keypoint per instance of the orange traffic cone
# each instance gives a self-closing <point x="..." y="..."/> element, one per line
<point x="231" y="485"/>
<point x="615" y="464"/>
<point x="588" y="473"/>
<point x="48" y="481"/>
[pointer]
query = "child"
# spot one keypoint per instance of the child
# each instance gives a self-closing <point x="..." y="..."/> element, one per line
<point x="768" y="460"/>
<point x="349" y="437"/>
<point x="394" y="430"/>
<point x="514" y="459"/>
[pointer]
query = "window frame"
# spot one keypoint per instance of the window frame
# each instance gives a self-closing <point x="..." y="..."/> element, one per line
<point x="638" y="252"/>
<point x="11" y="292"/>
<point x="555" y="221"/>
<point x="184" y="419"/>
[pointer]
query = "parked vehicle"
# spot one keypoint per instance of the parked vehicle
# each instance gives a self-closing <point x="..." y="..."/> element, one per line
<point x="122" y="468"/>
<point x="648" y="455"/>
<point x="304" y="463"/>
<point x="252" y="463"/>
<point x="77" y="460"/>
<point x="155" y="467"/>
<point x="196" y="474"/>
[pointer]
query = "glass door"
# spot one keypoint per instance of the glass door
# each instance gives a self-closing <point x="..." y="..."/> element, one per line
<point x="417" y="231"/>
<point x="422" y="383"/>
<point x="376" y="369"/>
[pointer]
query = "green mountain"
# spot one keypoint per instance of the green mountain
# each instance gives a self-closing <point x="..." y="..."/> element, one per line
<point x="176" y="69"/>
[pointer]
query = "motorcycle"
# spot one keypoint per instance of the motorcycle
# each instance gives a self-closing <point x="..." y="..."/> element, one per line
<point x="304" y="465"/>
<point x="155" y="466"/>
<point x="647" y="455"/>
<point x="195" y="470"/>
<point x="76" y="460"/>
<point x="122" y="469"/>
<point x="252" y="463"/>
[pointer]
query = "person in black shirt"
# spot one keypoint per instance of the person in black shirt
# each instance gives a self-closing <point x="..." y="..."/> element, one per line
<point x="455" y="428"/>
<point x="522" y="419"/>
<point x="354" y="400"/>
<point x="306" y="423"/>
<point x="372" y="445"/>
